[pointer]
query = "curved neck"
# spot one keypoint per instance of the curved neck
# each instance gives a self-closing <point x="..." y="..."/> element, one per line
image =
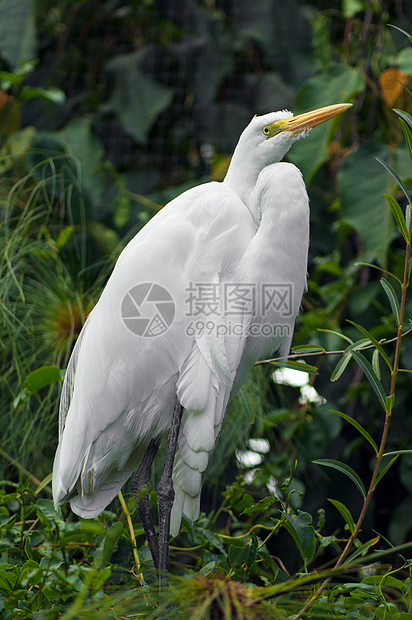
<point x="242" y="175"/>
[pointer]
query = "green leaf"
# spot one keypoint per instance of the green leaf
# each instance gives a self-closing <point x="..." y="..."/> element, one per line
<point x="379" y="269"/>
<point x="371" y="376"/>
<point x="313" y="370"/>
<point x="385" y="580"/>
<point x="340" y="366"/>
<point x="136" y="98"/>
<point x="403" y="31"/>
<point x="47" y="512"/>
<point x="362" y="549"/>
<point x="408" y="136"/>
<point x="303" y="533"/>
<point x="344" y="469"/>
<point x="375" y="364"/>
<point x="386" y="468"/>
<point x="405" y="60"/>
<point x="395" y="176"/>
<point x="245" y="554"/>
<point x="358" y="427"/>
<point x="38" y="379"/>
<point x="373" y="341"/>
<point x="329" y="331"/>
<point x="53" y="94"/>
<point x="261" y="505"/>
<point x="393" y="300"/>
<point x="398" y="216"/>
<point x="113" y="534"/>
<point x="407" y="118"/>
<point x="307" y="348"/>
<point x="362" y="203"/>
<point x="64" y="236"/>
<point x="345" y="513"/>
<point x="89" y="151"/>
<point x="269" y="561"/>
<point x="18" y="31"/>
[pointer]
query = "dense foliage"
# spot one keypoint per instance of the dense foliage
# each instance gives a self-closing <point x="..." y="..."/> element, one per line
<point x="107" y="111"/>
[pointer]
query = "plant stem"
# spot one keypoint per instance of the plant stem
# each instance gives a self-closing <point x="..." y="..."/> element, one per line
<point x="133" y="537"/>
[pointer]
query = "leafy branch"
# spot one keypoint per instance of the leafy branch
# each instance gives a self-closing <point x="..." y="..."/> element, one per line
<point x="387" y="402"/>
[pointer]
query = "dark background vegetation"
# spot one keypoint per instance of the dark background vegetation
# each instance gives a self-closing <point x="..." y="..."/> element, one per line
<point x="110" y="109"/>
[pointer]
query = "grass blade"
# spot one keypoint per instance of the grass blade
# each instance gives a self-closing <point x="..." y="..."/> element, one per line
<point x="393" y="300"/>
<point x="344" y="469"/>
<point x="358" y="427"/>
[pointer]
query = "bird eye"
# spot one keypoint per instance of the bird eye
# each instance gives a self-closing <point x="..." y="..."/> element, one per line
<point x="266" y="131"/>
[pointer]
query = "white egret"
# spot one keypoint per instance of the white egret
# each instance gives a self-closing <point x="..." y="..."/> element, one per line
<point x="210" y="284"/>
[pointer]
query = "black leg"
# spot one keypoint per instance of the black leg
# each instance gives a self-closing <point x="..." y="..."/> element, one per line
<point x="140" y="482"/>
<point x="165" y="491"/>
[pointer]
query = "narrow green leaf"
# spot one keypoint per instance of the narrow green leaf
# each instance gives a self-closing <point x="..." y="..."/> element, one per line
<point x="371" y="376"/>
<point x="389" y="402"/>
<point x="308" y="348"/>
<point x="358" y="427"/>
<point x="385" y="469"/>
<point x="344" y="469"/>
<point x="362" y="550"/>
<point x="407" y="118"/>
<point x="345" y="513"/>
<point x="389" y="273"/>
<point x="403" y="31"/>
<point x="340" y="366"/>
<point x="374" y="342"/>
<point x="393" y="300"/>
<point x="408" y="136"/>
<point x="398" y="216"/>
<point x="313" y="370"/>
<point x="397" y="452"/>
<point x="375" y="364"/>
<point x="396" y="177"/>
<point x="359" y="344"/>
<point x="329" y="331"/>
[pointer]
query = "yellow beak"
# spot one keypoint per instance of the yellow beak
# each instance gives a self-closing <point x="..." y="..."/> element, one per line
<point x="299" y="123"/>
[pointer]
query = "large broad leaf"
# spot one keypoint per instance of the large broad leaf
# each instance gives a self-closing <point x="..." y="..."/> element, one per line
<point x="363" y="182"/>
<point x="136" y="99"/>
<point x="86" y="148"/>
<point x="337" y="85"/>
<point x="17" y="31"/>
<point x="303" y="533"/>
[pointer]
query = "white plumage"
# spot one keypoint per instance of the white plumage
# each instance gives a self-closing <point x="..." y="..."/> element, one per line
<point x="219" y="239"/>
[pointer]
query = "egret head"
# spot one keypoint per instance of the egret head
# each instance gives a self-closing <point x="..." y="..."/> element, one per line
<point x="267" y="139"/>
<point x="275" y="133"/>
